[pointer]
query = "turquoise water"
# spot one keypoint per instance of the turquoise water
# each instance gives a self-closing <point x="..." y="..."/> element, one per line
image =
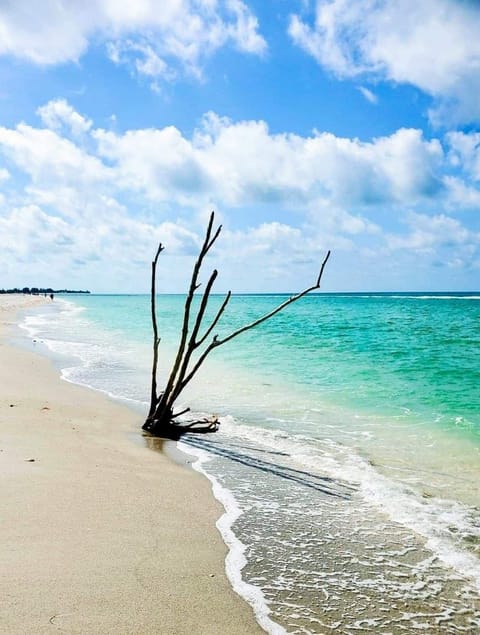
<point x="349" y="445"/>
<point x="382" y="354"/>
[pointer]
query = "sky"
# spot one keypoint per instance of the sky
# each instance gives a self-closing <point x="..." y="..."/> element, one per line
<point x="306" y="125"/>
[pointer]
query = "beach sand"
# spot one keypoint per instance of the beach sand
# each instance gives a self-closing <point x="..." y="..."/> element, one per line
<point x="99" y="534"/>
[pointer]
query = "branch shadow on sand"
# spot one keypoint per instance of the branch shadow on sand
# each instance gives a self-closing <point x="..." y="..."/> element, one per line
<point x="323" y="484"/>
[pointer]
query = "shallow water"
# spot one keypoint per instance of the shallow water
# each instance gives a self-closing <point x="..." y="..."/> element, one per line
<point x="349" y="442"/>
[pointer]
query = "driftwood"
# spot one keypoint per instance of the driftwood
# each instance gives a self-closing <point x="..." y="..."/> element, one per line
<point x="162" y="420"/>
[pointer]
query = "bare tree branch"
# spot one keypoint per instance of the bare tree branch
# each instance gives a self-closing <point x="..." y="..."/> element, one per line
<point x="182" y="412"/>
<point x="156" y="339"/>
<point x="219" y="342"/>
<point x="161" y="419"/>
<point x="216" y="319"/>
<point x="207" y="244"/>
<point x="192" y="344"/>
<point x="277" y="309"/>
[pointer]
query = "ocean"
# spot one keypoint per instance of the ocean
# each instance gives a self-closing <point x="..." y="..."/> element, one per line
<point x="348" y="455"/>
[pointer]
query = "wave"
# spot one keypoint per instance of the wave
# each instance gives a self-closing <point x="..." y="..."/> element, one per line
<point x="443" y="523"/>
<point x="100" y="365"/>
<point x="380" y="296"/>
<point x="440" y="297"/>
<point x="235" y="560"/>
<point x="94" y="359"/>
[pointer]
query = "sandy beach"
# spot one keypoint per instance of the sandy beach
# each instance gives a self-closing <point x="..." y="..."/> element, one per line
<point x="98" y="533"/>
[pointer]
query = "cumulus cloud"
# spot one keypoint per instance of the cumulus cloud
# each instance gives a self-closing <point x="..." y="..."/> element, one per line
<point x="239" y="163"/>
<point x="430" y="234"/>
<point x="461" y="194"/>
<point x="104" y="245"/>
<point x="150" y="36"/>
<point x="465" y="152"/>
<point x="433" y="45"/>
<point x="77" y="193"/>
<point x="146" y="63"/>
<point x="231" y="163"/>
<point x="58" y="114"/>
<point x="48" y="157"/>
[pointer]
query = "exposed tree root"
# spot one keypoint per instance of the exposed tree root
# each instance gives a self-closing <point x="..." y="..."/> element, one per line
<point x="174" y="431"/>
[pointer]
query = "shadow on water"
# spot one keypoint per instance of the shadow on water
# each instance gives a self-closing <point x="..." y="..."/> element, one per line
<point x="323" y="484"/>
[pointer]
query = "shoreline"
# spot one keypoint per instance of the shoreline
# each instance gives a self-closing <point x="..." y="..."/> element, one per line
<point x="97" y="533"/>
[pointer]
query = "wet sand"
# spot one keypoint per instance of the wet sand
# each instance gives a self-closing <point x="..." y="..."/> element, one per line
<point x="99" y="534"/>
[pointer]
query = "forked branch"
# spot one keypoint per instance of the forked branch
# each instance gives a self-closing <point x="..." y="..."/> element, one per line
<point x="207" y="244"/>
<point x="161" y="419"/>
<point x="219" y="342"/>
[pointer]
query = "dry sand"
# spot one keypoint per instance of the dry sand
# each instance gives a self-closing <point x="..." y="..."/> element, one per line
<point x="99" y="534"/>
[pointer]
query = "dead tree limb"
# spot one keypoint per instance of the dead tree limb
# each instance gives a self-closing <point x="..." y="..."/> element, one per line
<point x="161" y="419"/>
<point x="156" y="339"/>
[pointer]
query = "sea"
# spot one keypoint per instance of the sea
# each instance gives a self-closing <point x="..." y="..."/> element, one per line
<point x="348" y="454"/>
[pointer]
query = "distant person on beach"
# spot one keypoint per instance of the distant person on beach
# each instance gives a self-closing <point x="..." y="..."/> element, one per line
<point x="51" y="296"/>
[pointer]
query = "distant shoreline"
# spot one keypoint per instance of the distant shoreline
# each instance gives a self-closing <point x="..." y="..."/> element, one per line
<point x="39" y="291"/>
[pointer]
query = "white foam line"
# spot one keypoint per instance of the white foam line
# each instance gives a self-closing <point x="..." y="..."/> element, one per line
<point x="111" y="395"/>
<point x="35" y="319"/>
<point x="430" y="519"/>
<point x="436" y="297"/>
<point x="401" y="297"/>
<point x="235" y="560"/>
<point x="65" y="371"/>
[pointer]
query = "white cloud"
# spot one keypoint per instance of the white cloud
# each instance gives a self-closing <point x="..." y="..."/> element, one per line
<point x="241" y="163"/>
<point x="286" y="256"/>
<point x="151" y="64"/>
<point x="461" y="194"/>
<point x="369" y="96"/>
<point x="269" y="238"/>
<point x="105" y="209"/>
<point x="244" y="30"/>
<point x="432" y="44"/>
<point x="161" y="163"/>
<point x="28" y="230"/>
<point x="57" y="33"/>
<point x="224" y="163"/>
<point x="105" y="248"/>
<point x="48" y="157"/>
<point x="465" y="152"/>
<point x="143" y="34"/>
<point x="58" y="114"/>
<point x="332" y="220"/>
<point x="142" y="60"/>
<point x="429" y="233"/>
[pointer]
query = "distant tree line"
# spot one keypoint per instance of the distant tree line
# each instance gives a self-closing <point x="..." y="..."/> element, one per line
<point x="39" y="291"/>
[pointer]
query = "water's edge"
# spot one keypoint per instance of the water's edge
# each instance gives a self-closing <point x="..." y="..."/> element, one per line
<point x="180" y="453"/>
<point x="309" y="512"/>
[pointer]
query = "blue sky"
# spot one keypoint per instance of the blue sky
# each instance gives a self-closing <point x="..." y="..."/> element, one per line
<point x="306" y="125"/>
